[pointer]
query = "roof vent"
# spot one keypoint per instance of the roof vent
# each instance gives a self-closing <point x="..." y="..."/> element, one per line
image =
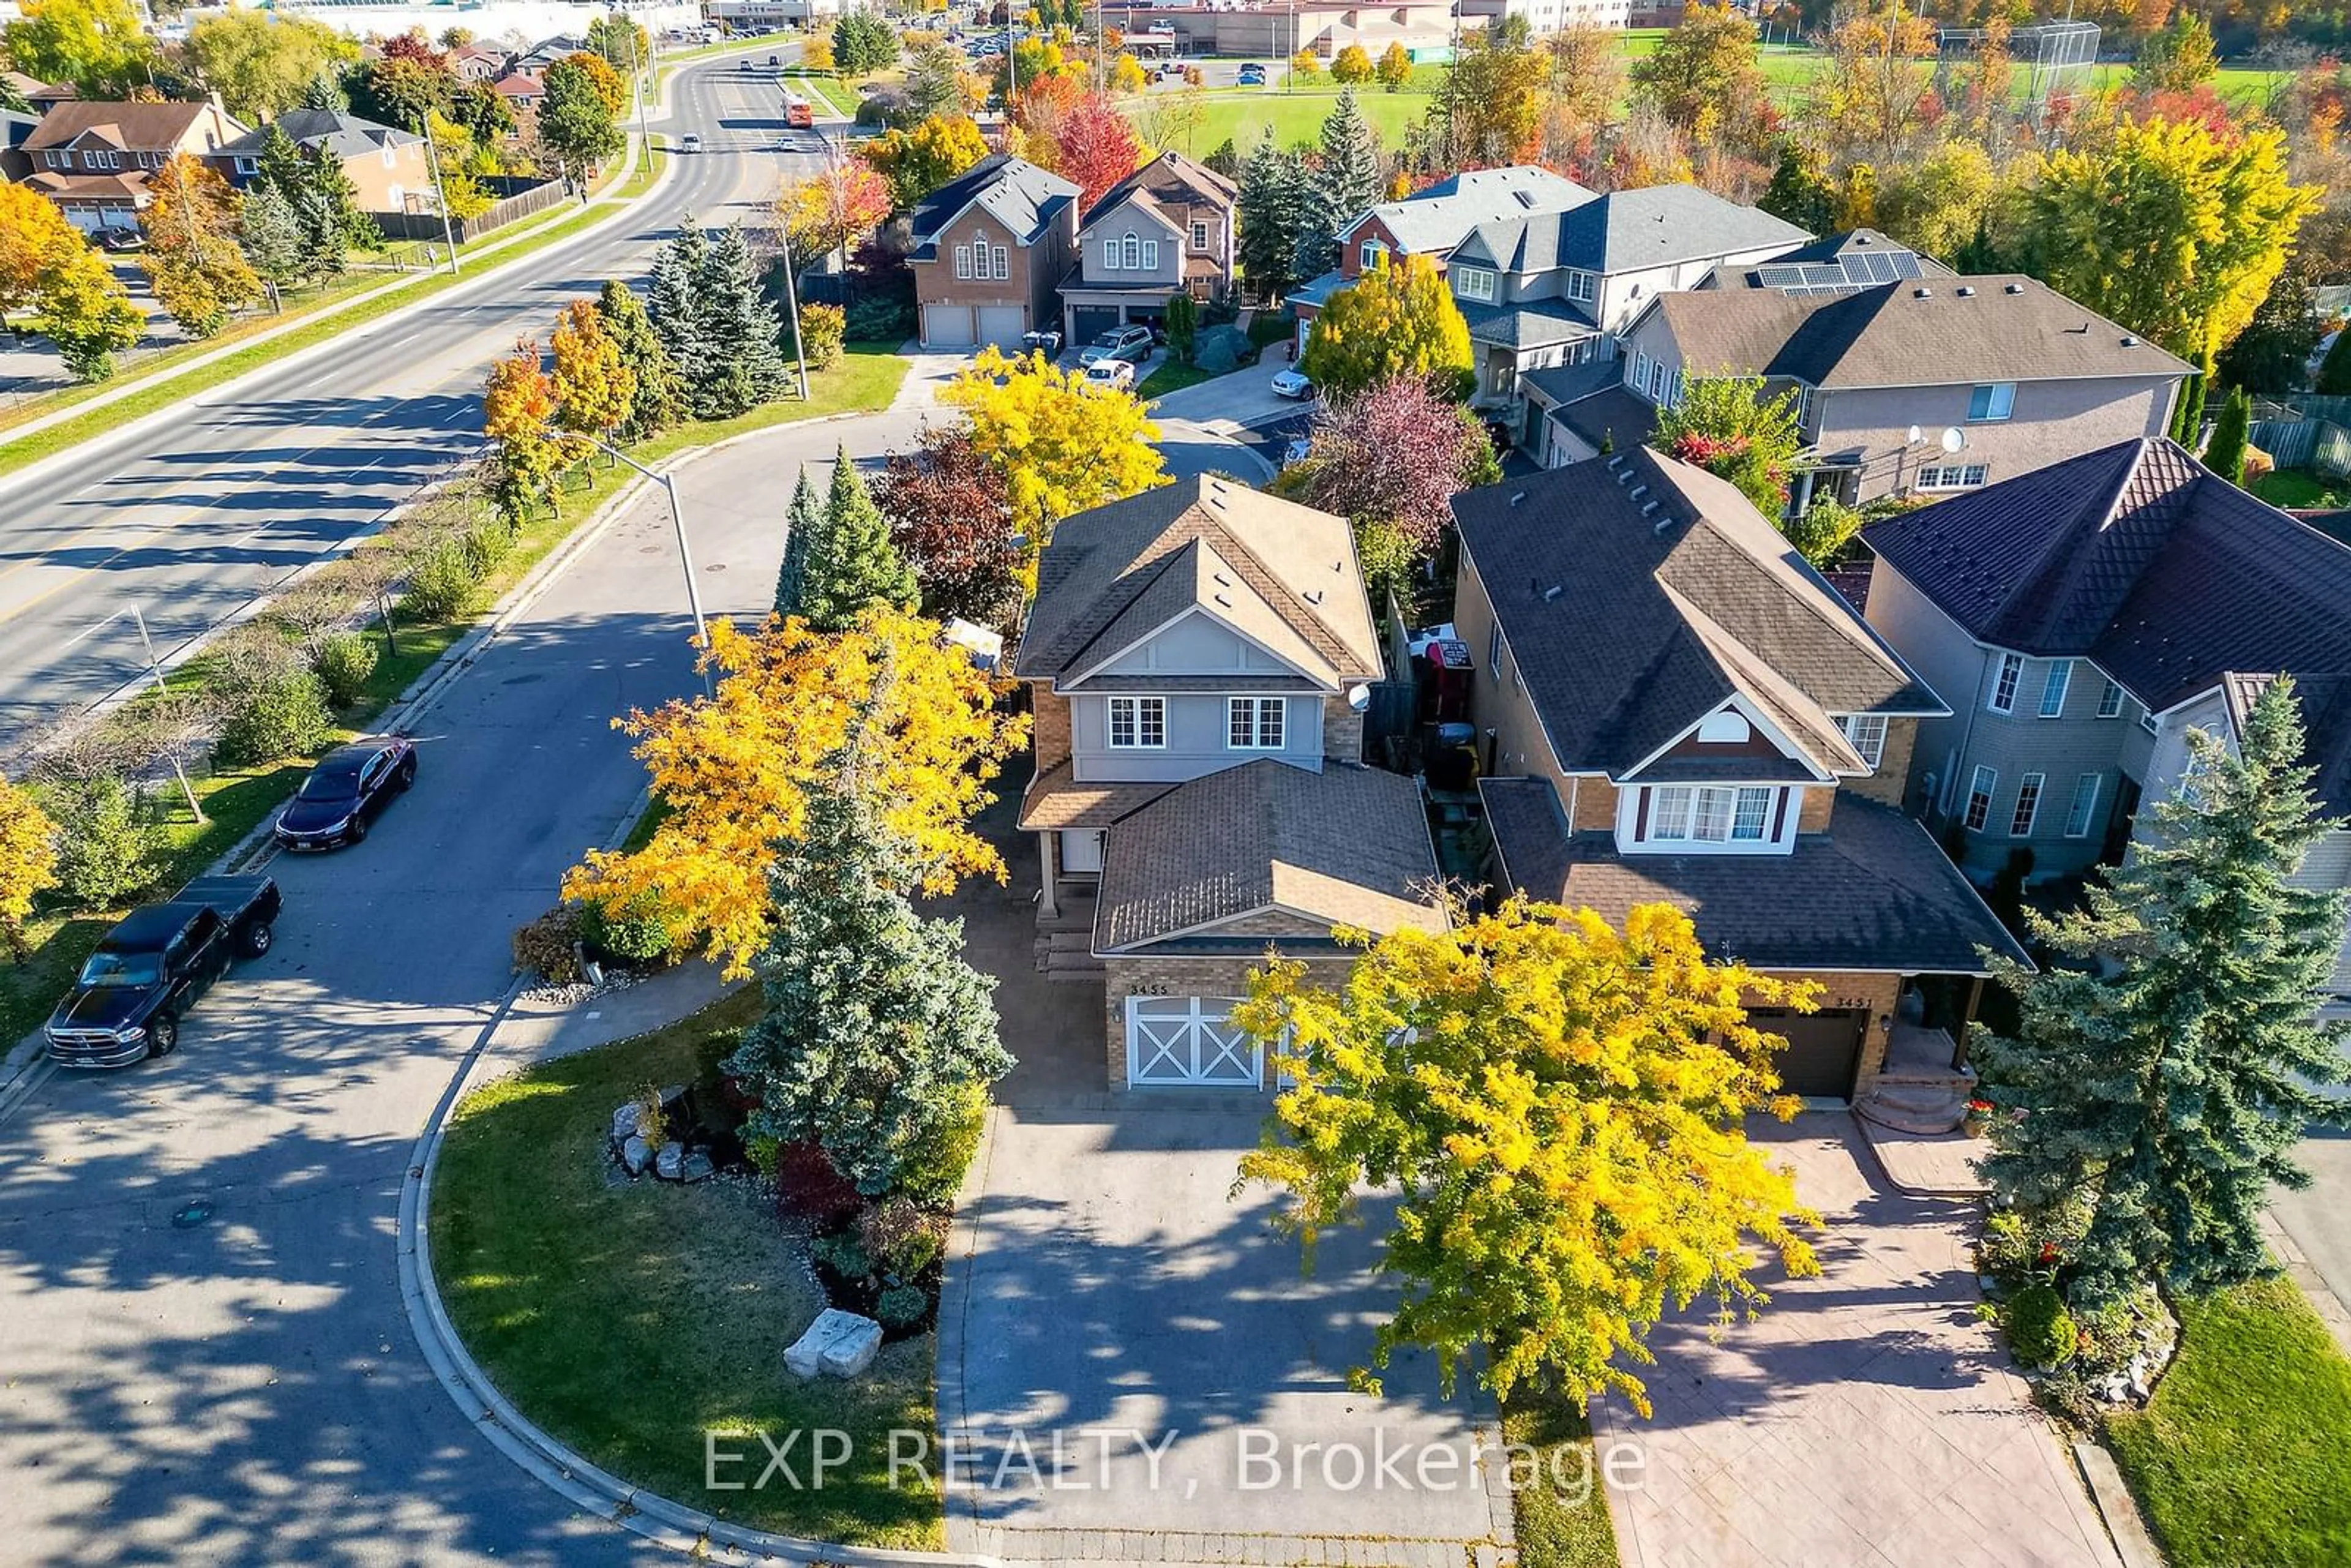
<point x="1517" y="495"/>
<point x="1223" y="600"/>
<point x="1922" y="294"/>
<point x="1220" y="580"/>
<point x="1552" y="593"/>
<point x="1637" y="491"/>
<point x="1617" y="463"/>
<point x="2016" y="289"/>
<point x="1966" y="291"/>
<point x="1314" y="596"/>
<point x="2129" y="342"/>
<point x="1625" y="477"/>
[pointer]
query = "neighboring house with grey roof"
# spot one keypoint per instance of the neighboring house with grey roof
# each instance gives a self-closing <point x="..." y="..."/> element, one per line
<point x="2082" y="619"/>
<point x="1165" y="229"/>
<point x="1543" y="289"/>
<point x="1843" y="263"/>
<point x="1926" y="386"/>
<point x="1432" y="223"/>
<point x="1673" y="707"/>
<point x="1200" y="795"/>
<point x="990" y="245"/>
<point x="386" y="165"/>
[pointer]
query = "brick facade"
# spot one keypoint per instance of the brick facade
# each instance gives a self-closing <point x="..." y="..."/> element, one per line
<point x="1035" y="268"/>
<point x="1886" y="785"/>
<point x="1878" y="993"/>
<point x="1049" y="732"/>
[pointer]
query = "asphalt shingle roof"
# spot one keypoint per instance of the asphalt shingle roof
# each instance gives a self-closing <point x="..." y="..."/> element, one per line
<point x="1347" y="846"/>
<point x="1628" y="626"/>
<point x="2137" y="557"/>
<point x="123" y="125"/>
<point x="1536" y="324"/>
<point x="346" y="135"/>
<point x="1022" y="197"/>
<point x="1169" y="178"/>
<point x="1284" y="574"/>
<point x="1874" y="893"/>
<point x="1432" y="222"/>
<point x="1624" y="231"/>
<point x="1925" y="332"/>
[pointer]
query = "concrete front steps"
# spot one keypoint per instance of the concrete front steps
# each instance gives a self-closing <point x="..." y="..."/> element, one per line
<point x="1914" y="1106"/>
<point x="1068" y="956"/>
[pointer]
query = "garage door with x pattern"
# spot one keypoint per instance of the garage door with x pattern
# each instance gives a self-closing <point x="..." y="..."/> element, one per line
<point x="1188" y="1041"/>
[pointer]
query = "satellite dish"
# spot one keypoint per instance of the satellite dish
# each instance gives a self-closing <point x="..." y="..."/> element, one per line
<point x="1954" y="440"/>
<point x="1359" y="697"/>
<point x="1916" y="435"/>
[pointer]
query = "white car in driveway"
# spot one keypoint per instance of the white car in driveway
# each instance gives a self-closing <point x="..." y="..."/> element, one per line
<point x="1292" y="383"/>
<point x="1110" y="373"/>
<point x="1128" y="343"/>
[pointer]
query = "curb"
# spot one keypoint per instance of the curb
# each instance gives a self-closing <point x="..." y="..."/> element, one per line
<point x="591" y="1491"/>
<point x="2118" y="1511"/>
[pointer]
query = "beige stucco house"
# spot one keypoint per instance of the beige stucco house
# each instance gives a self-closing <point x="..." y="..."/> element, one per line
<point x="387" y="166"/>
<point x="1673" y="707"/>
<point x="1200" y="797"/>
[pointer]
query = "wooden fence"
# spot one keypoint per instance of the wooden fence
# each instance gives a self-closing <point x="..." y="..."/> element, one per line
<point x="517" y="198"/>
<point x="2320" y="446"/>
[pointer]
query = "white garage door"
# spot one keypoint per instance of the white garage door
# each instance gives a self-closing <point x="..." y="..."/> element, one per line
<point x="1002" y="325"/>
<point x="946" y="326"/>
<point x="1186" y="1039"/>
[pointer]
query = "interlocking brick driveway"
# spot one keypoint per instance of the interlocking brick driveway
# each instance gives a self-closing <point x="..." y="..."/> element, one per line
<point x="1867" y="1417"/>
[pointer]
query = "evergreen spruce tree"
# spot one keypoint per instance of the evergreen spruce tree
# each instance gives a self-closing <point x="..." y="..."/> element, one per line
<point x="2232" y="433"/>
<point x="876" y="1031"/>
<point x="675" y="305"/>
<point x="742" y="336"/>
<point x="2153" y="1107"/>
<point x="1267" y="208"/>
<point x="660" y="400"/>
<point x="1346" y="180"/>
<point x="803" y="527"/>
<point x="340" y="223"/>
<point x="851" y="565"/>
<point x="2187" y="420"/>
<point x="271" y="233"/>
<point x="323" y="91"/>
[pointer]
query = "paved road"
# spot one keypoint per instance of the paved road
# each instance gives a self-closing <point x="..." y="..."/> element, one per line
<point x="245" y="1388"/>
<point x="191" y="521"/>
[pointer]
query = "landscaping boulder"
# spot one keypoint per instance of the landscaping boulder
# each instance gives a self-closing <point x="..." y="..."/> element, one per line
<point x="669" y="1161"/>
<point x="840" y="1344"/>
<point x="625" y="1122"/>
<point x="635" y="1153"/>
<point x="697" y="1167"/>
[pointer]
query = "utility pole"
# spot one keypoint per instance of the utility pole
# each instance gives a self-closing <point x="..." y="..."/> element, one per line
<point x="441" y="193"/>
<point x="685" y="552"/>
<point x="792" y="306"/>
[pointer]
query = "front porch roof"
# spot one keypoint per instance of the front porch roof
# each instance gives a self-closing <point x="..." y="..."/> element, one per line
<point x="1316" y="292"/>
<point x="1872" y="894"/>
<point x="1056" y="800"/>
<point x="1535" y="324"/>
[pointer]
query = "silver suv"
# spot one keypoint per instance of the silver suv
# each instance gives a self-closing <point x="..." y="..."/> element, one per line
<point x="1131" y="344"/>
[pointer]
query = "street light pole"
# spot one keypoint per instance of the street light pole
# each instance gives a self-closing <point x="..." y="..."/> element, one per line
<point x="792" y="302"/>
<point x="162" y="687"/>
<point x="441" y="193"/>
<point x="684" y="550"/>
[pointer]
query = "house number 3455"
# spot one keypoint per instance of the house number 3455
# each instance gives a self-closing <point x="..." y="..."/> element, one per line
<point x="1146" y="989"/>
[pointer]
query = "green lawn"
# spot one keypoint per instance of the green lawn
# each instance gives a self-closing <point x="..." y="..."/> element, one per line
<point x="1170" y="377"/>
<point x="1562" y="1516"/>
<point x="2300" y="488"/>
<point x="1242" y="116"/>
<point x="640" y="1321"/>
<point x="2243" y="1457"/>
<point x="827" y="91"/>
<point x="865" y="379"/>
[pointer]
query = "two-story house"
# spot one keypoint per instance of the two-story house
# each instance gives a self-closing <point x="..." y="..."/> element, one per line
<point x="1547" y="289"/>
<point x="1673" y="707"/>
<point x="990" y="246"/>
<point x="1431" y="223"/>
<point x="386" y="165"/>
<point x="96" y="160"/>
<point x="523" y="90"/>
<point x="1927" y="385"/>
<point x="1165" y="229"/>
<point x="1195" y="653"/>
<point x="2082" y="619"/>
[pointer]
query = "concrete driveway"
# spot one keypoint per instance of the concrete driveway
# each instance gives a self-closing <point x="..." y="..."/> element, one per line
<point x="1867" y="1418"/>
<point x="1141" y="1375"/>
<point x="1229" y="403"/>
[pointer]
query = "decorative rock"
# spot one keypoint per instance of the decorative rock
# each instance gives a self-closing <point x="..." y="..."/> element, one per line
<point x="635" y="1154"/>
<point x="668" y="1164"/>
<point x="841" y="1344"/>
<point x="625" y="1122"/>
<point x="697" y="1167"/>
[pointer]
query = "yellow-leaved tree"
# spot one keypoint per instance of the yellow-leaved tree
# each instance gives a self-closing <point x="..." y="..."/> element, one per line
<point x="1393" y="320"/>
<point x="730" y="770"/>
<point x="28" y="862"/>
<point x="517" y="407"/>
<point x="1062" y="444"/>
<point x="595" y="386"/>
<point x="1560" y="1104"/>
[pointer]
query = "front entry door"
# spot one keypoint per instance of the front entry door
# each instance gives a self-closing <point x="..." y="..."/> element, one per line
<point x="1082" y="852"/>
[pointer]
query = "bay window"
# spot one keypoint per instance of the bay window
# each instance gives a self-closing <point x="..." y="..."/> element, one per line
<point x="1707" y="814"/>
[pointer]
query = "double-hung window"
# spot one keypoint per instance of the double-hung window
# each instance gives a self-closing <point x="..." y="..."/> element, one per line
<point x="1989" y="404"/>
<point x="1254" y="723"/>
<point x="1494" y="651"/>
<point x="1131" y="253"/>
<point x="2110" y="701"/>
<point x="1867" y="733"/>
<point x="1199" y="236"/>
<point x="2085" y="806"/>
<point x="962" y="261"/>
<point x="1979" y="788"/>
<point x="1369" y="254"/>
<point x="2053" y="687"/>
<point x="1138" y="723"/>
<point x="1002" y="256"/>
<point x="1953" y="476"/>
<point x="1579" y="287"/>
<point x="1474" y="283"/>
<point x="2003" y="685"/>
<point x="2028" y="806"/>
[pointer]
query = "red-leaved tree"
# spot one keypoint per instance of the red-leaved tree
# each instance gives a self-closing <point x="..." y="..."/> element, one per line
<point x="951" y="520"/>
<point x="1397" y="453"/>
<point x="1097" y="148"/>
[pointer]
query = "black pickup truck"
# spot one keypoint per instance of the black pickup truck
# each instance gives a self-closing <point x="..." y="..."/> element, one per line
<point x="152" y="966"/>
